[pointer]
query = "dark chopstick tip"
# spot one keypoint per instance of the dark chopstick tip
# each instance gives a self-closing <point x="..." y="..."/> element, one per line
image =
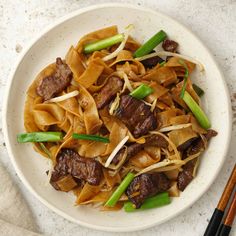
<point x="224" y="230"/>
<point x="214" y="223"/>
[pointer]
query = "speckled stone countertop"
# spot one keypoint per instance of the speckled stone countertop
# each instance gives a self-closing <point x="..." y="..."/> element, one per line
<point x="214" y="21"/>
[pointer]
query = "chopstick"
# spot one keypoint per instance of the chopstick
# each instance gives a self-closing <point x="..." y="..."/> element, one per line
<point x="225" y="227"/>
<point x="219" y="211"/>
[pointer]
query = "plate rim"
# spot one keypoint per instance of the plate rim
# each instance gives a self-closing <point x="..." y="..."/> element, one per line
<point x="5" y="126"/>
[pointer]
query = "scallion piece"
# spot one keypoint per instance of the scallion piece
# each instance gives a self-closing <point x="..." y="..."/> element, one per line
<point x="185" y="77"/>
<point x="120" y="190"/>
<point x="159" y="200"/>
<point x="150" y="44"/>
<point x="40" y="137"/>
<point x="141" y="92"/>
<point x="96" y="138"/>
<point x="198" y="90"/>
<point x="197" y="111"/>
<point x="162" y="63"/>
<point x="46" y="151"/>
<point x="104" y="43"/>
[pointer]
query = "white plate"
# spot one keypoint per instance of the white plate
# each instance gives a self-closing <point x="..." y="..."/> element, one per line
<point x="55" y="42"/>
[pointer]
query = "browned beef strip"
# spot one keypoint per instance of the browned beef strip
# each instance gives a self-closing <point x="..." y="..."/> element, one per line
<point x="52" y="85"/>
<point x="146" y="185"/>
<point x="133" y="149"/>
<point x="136" y="115"/>
<point x="186" y="175"/>
<point x="70" y="162"/>
<point x="186" y="144"/>
<point x="109" y="91"/>
<point x="55" y="177"/>
<point x="210" y="134"/>
<point x="156" y="140"/>
<point x="88" y="170"/>
<point x="169" y="45"/>
<point x="198" y="145"/>
<point x="151" y="62"/>
<point x="61" y="169"/>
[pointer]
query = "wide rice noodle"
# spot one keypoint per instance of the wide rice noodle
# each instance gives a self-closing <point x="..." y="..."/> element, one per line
<point x="91" y="117"/>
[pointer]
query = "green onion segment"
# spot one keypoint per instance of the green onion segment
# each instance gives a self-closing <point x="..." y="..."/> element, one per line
<point x="148" y="46"/>
<point x="159" y="200"/>
<point x="96" y="138"/>
<point x="197" y="111"/>
<point x="104" y="43"/>
<point x="111" y="202"/>
<point x="40" y="137"/>
<point x="141" y="92"/>
<point x="186" y="74"/>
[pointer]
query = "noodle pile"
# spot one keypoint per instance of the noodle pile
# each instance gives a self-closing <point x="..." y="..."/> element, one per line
<point x="79" y="114"/>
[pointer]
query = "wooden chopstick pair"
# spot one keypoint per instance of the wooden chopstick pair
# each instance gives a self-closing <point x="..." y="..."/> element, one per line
<point x="216" y="226"/>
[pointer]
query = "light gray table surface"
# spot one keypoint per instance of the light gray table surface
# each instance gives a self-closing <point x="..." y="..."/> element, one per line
<point x="213" y="21"/>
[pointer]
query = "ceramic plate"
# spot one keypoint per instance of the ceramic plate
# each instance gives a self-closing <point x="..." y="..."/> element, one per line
<point x="55" y="42"/>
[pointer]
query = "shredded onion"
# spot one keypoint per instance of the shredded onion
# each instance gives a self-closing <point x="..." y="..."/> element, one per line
<point x="115" y="168"/>
<point x="163" y="163"/>
<point x="116" y="150"/>
<point x="174" y="127"/>
<point x="191" y="157"/>
<point x="204" y="140"/>
<point x="147" y="103"/>
<point x="133" y="75"/>
<point x="127" y="83"/>
<point x="115" y="104"/>
<point x="168" y="168"/>
<point x="64" y="97"/>
<point x="172" y="54"/>
<point x="195" y="167"/>
<point x="153" y="105"/>
<point x="167" y="153"/>
<point x="121" y="46"/>
<point x="121" y="162"/>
